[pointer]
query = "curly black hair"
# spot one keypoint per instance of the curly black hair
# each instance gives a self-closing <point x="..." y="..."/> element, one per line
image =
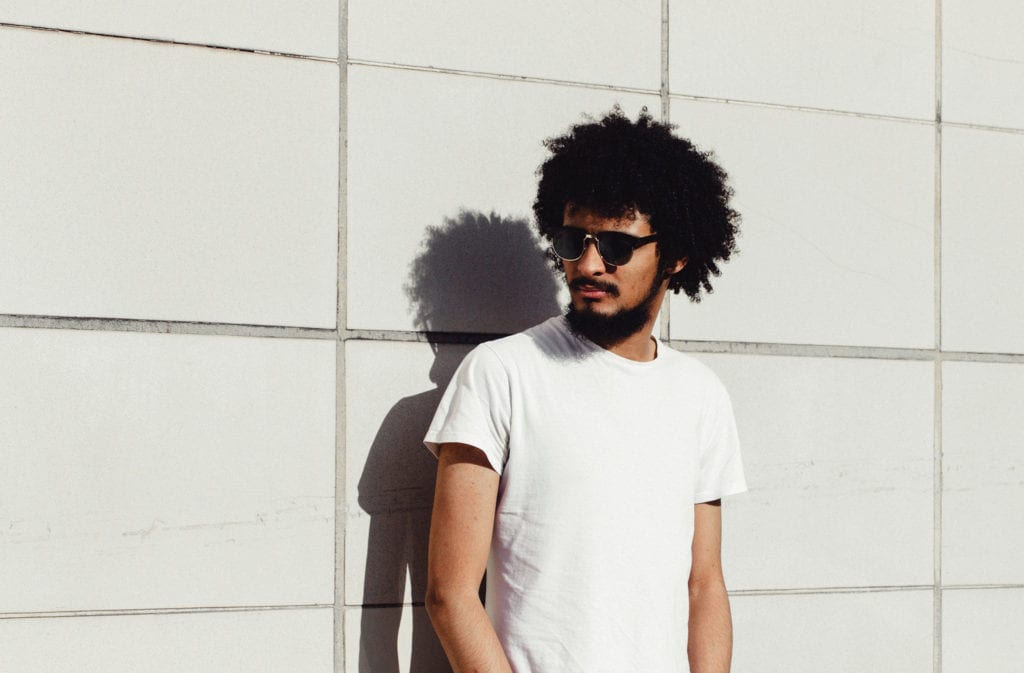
<point x="616" y="167"/>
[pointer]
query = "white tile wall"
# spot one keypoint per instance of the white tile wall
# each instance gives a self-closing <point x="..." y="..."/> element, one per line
<point x="983" y="62"/>
<point x="615" y="43"/>
<point x="266" y="641"/>
<point x="981" y="630"/>
<point x="875" y="56"/>
<point x="982" y="240"/>
<point x="167" y="182"/>
<point x="838" y="455"/>
<point x="983" y="468"/>
<point x="395" y="640"/>
<point x="155" y="470"/>
<point x="838" y="633"/>
<point x="394" y="389"/>
<point x="296" y="27"/>
<point x="837" y="233"/>
<point x="422" y="148"/>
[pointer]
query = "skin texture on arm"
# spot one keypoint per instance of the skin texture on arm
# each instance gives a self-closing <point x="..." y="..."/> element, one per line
<point x="460" y="541"/>
<point x="710" y="639"/>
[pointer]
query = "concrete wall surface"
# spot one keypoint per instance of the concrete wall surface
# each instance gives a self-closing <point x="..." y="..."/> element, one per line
<point x="244" y="245"/>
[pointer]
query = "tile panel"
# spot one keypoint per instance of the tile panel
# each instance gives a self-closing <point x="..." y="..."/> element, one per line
<point x="983" y="473"/>
<point x="873" y="56"/>
<point x="836" y="243"/>
<point x="165" y="182"/>
<point x="162" y="471"/>
<point x="616" y="43"/>
<point x="265" y="641"/>
<point x="839" y="461"/>
<point x="982" y="238"/>
<point x="838" y="633"/>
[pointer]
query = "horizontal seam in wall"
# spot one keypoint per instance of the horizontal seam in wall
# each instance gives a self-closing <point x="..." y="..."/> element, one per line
<point x="834" y="351"/>
<point x="501" y="76"/>
<point x="474" y="338"/>
<point x="983" y="127"/>
<point x="155" y="40"/>
<point x="162" y="611"/>
<point x="804" y="108"/>
<point x="832" y="590"/>
<point x="977" y="587"/>
<point x="775" y="592"/>
<point x="166" y="327"/>
<point x="731" y="347"/>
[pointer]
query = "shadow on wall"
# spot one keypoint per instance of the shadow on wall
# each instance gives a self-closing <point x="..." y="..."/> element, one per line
<point x="475" y="273"/>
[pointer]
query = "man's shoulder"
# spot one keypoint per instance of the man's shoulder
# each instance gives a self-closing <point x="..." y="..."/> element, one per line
<point x="550" y="336"/>
<point x="690" y="369"/>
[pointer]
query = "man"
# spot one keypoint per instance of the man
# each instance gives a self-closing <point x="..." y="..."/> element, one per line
<point x="581" y="463"/>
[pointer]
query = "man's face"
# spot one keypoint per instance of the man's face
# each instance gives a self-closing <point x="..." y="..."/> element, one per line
<point x="610" y="303"/>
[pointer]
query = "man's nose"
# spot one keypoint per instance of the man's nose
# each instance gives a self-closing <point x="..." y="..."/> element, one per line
<point x="591" y="262"/>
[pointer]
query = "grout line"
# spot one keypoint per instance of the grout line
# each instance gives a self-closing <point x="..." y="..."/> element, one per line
<point x="730" y="347"/>
<point x="802" y="108"/>
<point x="669" y="96"/>
<point x="341" y="318"/>
<point x="980" y="587"/>
<point x="818" y="591"/>
<point x="844" y="113"/>
<point x="165" y="326"/>
<point x="665" y="314"/>
<point x="984" y="127"/>
<point x="180" y="43"/>
<point x="61" y="614"/>
<point x="864" y="352"/>
<point x="473" y="338"/>
<point x="801" y="350"/>
<point x="664" y="60"/>
<point x="500" y="76"/>
<point x="937" y="482"/>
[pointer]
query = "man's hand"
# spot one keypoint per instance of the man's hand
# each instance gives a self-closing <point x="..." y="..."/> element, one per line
<point x="460" y="541"/>
<point x="710" y="640"/>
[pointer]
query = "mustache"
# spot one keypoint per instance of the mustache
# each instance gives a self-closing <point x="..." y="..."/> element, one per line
<point x="581" y="283"/>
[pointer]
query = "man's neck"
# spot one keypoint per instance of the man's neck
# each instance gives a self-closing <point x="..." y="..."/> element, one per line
<point x="640" y="347"/>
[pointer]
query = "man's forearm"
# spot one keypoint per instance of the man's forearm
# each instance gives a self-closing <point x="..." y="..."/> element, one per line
<point x="710" y="638"/>
<point x="467" y="634"/>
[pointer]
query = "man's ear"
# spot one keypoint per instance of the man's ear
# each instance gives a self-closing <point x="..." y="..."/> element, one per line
<point x="679" y="265"/>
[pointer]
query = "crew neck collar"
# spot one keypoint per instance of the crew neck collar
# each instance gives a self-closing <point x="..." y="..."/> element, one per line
<point x="600" y="351"/>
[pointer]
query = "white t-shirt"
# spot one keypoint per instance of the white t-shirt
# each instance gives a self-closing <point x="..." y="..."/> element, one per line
<point x="601" y="461"/>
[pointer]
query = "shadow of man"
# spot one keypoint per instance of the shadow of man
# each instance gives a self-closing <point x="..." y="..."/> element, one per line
<point x="476" y="275"/>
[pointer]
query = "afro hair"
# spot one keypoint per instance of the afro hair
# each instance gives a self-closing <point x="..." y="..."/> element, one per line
<point x="617" y="167"/>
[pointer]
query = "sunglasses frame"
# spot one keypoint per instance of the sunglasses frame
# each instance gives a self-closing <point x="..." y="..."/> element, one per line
<point x="634" y="242"/>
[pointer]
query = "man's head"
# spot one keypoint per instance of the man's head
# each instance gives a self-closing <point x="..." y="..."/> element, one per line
<point x="638" y="174"/>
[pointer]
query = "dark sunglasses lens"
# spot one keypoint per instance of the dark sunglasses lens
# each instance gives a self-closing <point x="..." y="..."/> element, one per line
<point x="568" y="243"/>
<point x="616" y="249"/>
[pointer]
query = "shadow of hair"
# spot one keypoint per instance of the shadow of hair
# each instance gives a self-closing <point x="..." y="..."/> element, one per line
<point x="481" y="273"/>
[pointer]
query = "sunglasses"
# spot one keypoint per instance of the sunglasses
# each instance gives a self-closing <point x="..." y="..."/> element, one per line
<point x="615" y="248"/>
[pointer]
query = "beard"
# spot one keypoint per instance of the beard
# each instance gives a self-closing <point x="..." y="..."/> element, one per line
<point x="611" y="329"/>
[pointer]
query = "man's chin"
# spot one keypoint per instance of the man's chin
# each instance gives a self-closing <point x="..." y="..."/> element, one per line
<point x="606" y="326"/>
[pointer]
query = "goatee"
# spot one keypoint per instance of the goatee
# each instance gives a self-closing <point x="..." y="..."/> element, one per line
<point x="609" y="330"/>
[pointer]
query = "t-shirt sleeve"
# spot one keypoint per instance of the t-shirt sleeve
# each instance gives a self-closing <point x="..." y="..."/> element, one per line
<point x="720" y="469"/>
<point x="475" y="408"/>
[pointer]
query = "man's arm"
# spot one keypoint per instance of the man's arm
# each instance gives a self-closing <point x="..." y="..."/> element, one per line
<point x="460" y="540"/>
<point x="710" y="639"/>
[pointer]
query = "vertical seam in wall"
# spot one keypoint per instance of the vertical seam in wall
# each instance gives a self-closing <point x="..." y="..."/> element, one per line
<point x="341" y="324"/>
<point x="937" y="428"/>
<point x="666" y="306"/>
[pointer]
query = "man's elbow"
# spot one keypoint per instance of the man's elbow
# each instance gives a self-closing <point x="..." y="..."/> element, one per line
<point x="710" y="584"/>
<point x="443" y="597"/>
